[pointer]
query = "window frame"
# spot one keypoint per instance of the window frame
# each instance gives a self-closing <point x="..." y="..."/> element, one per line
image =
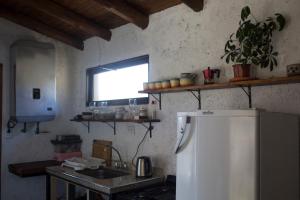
<point x="90" y="72"/>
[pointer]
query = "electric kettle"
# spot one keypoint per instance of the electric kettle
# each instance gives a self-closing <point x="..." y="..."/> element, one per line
<point x="143" y="167"/>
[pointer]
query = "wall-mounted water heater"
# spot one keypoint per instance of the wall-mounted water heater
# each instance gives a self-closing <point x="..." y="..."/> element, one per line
<point x="33" y="88"/>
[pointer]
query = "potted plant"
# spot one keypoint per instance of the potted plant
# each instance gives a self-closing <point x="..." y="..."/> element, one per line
<point x="252" y="43"/>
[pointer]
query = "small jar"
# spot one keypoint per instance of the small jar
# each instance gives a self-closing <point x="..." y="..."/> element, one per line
<point x="151" y="85"/>
<point x="143" y="113"/>
<point x="119" y="114"/>
<point x="175" y="82"/>
<point x="158" y="85"/>
<point x="186" y="82"/>
<point x="166" y="84"/>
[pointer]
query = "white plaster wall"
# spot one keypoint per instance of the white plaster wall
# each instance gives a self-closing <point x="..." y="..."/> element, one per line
<point x="20" y="147"/>
<point x="177" y="40"/>
<point x="180" y="40"/>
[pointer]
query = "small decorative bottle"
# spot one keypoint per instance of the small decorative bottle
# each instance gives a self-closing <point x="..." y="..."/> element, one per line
<point x="153" y="110"/>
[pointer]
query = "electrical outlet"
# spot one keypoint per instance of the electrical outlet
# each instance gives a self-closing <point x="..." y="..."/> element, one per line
<point x="293" y="70"/>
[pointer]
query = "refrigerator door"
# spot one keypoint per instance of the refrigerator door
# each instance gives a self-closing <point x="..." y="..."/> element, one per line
<point x="218" y="160"/>
<point x="186" y="182"/>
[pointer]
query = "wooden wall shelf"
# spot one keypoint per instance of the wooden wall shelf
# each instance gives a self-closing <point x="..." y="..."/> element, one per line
<point x="31" y="169"/>
<point x="112" y="123"/>
<point x="195" y="89"/>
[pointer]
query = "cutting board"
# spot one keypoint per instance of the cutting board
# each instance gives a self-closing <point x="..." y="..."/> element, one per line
<point x="100" y="150"/>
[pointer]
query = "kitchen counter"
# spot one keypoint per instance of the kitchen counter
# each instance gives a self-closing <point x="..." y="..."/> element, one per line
<point x="106" y="186"/>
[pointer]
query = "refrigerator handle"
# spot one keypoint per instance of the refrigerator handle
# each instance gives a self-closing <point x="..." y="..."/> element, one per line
<point x="185" y="127"/>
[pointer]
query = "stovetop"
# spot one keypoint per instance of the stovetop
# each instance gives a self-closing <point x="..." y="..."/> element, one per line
<point x="165" y="191"/>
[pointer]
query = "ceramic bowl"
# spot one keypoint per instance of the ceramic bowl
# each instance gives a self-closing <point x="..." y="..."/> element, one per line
<point x="166" y="84"/>
<point x="158" y="85"/>
<point x="186" y="81"/>
<point x="151" y="85"/>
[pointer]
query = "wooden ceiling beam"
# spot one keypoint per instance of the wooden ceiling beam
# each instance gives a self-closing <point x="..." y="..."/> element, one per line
<point x="125" y="11"/>
<point x="196" y="5"/>
<point x="55" y="11"/>
<point x="39" y="27"/>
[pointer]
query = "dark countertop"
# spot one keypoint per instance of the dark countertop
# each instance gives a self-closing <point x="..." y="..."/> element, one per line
<point x="107" y="186"/>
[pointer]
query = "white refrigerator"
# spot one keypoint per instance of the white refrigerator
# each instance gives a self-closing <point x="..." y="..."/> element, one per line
<point x="237" y="155"/>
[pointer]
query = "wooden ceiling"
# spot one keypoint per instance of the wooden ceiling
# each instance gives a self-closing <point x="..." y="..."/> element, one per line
<point x="73" y="21"/>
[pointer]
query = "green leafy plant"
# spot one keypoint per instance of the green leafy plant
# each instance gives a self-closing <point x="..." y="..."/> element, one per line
<point x="252" y="42"/>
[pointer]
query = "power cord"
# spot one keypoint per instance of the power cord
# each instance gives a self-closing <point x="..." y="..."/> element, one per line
<point x="137" y="150"/>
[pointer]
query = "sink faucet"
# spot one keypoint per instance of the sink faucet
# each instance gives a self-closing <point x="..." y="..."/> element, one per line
<point x="123" y="165"/>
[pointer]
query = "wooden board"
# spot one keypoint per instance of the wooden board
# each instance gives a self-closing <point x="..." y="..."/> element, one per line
<point x="72" y="20"/>
<point x="100" y="150"/>
<point x="258" y="82"/>
<point x="117" y="120"/>
<point x="30" y="169"/>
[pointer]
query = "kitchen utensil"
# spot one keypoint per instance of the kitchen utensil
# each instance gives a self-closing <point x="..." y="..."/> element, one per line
<point x="143" y="167"/>
<point x="210" y="75"/>
<point x="174" y="82"/>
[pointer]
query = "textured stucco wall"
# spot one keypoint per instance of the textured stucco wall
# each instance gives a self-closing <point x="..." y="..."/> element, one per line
<point x="177" y="40"/>
<point x="180" y="40"/>
<point x="19" y="147"/>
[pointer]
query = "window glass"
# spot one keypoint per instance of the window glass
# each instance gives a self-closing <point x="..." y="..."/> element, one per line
<point x="118" y="82"/>
<point x="121" y="83"/>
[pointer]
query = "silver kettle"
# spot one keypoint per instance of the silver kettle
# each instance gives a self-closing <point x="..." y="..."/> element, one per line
<point x="143" y="167"/>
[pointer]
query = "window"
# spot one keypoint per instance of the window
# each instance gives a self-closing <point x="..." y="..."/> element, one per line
<point x="117" y="82"/>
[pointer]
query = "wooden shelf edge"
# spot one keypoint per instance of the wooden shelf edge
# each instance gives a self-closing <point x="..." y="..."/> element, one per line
<point x="257" y="82"/>
<point x="106" y="121"/>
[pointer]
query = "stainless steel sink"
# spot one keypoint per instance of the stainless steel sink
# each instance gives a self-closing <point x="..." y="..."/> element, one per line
<point x="102" y="173"/>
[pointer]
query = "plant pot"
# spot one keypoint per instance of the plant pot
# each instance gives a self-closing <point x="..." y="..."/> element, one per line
<point x="241" y="70"/>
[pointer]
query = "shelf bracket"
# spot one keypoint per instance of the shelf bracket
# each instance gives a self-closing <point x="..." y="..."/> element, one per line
<point x="157" y="99"/>
<point x="248" y="92"/>
<point x="87" y="125"/>
<point x="112" y="126"/>
<point x="24" y="130"/>
<point x="149" y="128"/>
<point x="197" y="96"/>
